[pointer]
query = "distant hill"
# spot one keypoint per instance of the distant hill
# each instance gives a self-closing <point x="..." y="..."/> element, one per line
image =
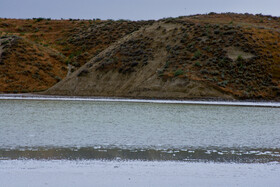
<point x="225" y="56"/>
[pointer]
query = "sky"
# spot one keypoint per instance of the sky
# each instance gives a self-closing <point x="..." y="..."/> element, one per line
<point x="131" y="9"/>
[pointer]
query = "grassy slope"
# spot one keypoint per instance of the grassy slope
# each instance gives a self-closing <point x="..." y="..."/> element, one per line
<point x="73" y="41"/>
<point x="222" y="55"/>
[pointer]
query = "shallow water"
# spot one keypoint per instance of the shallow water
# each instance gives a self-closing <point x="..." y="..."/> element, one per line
<point x="65" y="129"/>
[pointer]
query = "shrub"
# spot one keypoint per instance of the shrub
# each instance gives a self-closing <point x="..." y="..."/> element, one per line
<point x="203" y="71"/>
<point x="239" y="58"/>
<point x="5" y="42"/>
<point x="208" y="49"/>
<point x="160" y="73"/>
<point x="178" y="72"/>
<point x="212" y="13"/>
<point x="197" y="54"/>
<point x="166" y="64"/>
<point x="197" y="64"/>
<point x="38" y="19"/>
<point x="223" y="83"/>
<point x="57" y="78"/>
<point x="66" y="48"/>
<point x="83" y="73"/>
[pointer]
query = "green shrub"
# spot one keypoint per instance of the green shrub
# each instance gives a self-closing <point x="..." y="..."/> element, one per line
<point x="197" y="54"/>
<point x="178" y="72"/>
<point x="239" y="58"/>
<point x="5" y="42"/>
<point x="66" y="48"/>
<point x="38" y="19"/>
<point x="72" y="55"/>
<point x="208" y="49"/>
<point x="160" y="73"/>
<point x="197" y="64"/>
<point x="223" y="83"/>
<point x="166" y="64"/>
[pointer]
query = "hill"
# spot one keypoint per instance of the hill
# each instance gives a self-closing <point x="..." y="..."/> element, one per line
<point x="225" y="56"/>
<point x="74" y="42"/>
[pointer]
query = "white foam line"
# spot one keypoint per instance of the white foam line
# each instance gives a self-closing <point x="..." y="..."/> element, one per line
<point x="220" y="103"/>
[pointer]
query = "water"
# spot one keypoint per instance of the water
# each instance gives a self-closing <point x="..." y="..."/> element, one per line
<point x="98" y="130"/>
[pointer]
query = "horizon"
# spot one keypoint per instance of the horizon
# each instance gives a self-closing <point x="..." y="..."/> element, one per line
<point x="82" y="19"/>
<point x="130" y="10"/>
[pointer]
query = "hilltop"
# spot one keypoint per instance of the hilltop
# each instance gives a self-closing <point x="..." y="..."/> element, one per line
<point x="225" y="56"/>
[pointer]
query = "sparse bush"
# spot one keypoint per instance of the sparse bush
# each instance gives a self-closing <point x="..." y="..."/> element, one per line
<point x="239" y="58"/>
<point x="178" y="72"/>
<point x="38" y="19"/>
<point x="66" y="48"/>
<point x="203" y="71"/>
<point x="197" y="64"/>
<point x="212" y="13"/>
<point x="83" y="73"/>
<point x="197" y="54"/>
<point x="160" y="72"/>
<point x="223" y="83"/>
<point x="208" y="49"/>
<point x="5" y="42"/>
<point x="166" y="64"/>
<point x="57" y="78"/>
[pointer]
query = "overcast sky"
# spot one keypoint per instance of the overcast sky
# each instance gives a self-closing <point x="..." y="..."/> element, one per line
<point x="131" y="9"/>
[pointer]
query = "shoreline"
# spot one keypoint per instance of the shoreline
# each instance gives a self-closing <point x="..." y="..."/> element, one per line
<point x="205" y="101"/>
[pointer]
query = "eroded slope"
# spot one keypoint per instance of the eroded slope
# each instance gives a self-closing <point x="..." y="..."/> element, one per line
<point x="185" y="58"/>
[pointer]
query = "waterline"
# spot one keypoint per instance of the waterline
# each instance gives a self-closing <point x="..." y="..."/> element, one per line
<point x="100" y="99"/>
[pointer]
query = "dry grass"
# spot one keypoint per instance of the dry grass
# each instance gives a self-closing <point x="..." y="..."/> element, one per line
<point x="236" y="54"/>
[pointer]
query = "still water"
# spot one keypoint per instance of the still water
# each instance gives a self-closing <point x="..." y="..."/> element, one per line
<point x="100" y="130"/>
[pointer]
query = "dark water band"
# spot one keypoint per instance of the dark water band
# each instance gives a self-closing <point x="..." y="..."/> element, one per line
<point x="193" y="155"/>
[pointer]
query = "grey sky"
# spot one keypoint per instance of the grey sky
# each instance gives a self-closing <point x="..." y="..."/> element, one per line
<point x="130" y="9"/>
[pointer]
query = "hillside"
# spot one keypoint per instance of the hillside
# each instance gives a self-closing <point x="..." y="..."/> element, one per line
<point x="71" y="44"/>
<point x="225" y="56"/>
